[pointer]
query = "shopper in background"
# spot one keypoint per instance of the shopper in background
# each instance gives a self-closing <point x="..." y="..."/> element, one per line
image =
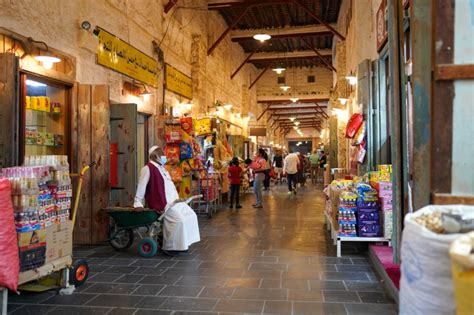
<point x="235" y="173"/>
<point x="180" y="225"/>
<point x="301" y="165"/>
<point x="258" y="166"/>
<point x="278" y="165"/>
<point x="314" y="160"/>
<point x="266" y="182"/>
<point x="290" y="168"/>
<point x="322" y="164"/>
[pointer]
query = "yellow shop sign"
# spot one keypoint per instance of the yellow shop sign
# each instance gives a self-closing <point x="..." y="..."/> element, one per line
<point x="122" y="57"/>
<point x="178" y="82"/>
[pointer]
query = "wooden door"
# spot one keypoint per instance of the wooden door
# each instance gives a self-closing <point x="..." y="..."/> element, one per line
<point x="90" y="142"/>
<point x="9" y="111"/>
<point x="123" y="131"/>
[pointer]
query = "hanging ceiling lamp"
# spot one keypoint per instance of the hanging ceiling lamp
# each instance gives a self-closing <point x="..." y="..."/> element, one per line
<point x="285" y="87"/>
<point x="297" y="123"/>
<point x="294" y="99"/>
<point x="292" y="118"/>
<point x="262" y="37"/>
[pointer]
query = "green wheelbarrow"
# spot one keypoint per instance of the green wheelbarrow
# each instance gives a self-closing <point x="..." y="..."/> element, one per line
<point x="147" y="224"/>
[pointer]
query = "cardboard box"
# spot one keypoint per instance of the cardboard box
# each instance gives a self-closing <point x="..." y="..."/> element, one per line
<point x="32" y="249"/>
<point x="59" y="241"/>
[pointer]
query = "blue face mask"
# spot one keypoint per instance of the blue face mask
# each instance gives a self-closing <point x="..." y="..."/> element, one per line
<point x="163" y="159"/>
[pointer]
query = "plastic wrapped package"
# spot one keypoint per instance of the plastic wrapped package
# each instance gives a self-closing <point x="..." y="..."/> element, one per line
<point x="173" y="133"/>
<point x="172" y="153"/>
<point x="353" y="125"/>
<point x="426" y="285"/>
<point x="187" y="125"/>
<point x="9" y="261"/>
<point x="203" y="126"/>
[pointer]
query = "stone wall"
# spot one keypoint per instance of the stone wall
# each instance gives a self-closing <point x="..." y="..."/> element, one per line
<point x="184" y="34"/>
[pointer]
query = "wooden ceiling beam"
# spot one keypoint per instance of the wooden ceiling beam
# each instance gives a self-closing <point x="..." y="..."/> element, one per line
<point x="310" y="45"/>
<point x="245" y="61"/>
<point x="300" y="54"/>
<point x="218" y="5"/>
<point x="258" y="77"/>
<point x="169" y="5"/>
<point x="286" y="32"/>
<point x="231" y="26"/>
<point x="287" y="101"/>
<point x="303" y="6"/>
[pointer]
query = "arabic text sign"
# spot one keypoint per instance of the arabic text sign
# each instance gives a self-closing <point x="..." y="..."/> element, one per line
<point x="120" y="56"/>
<point x="178" y="82"/>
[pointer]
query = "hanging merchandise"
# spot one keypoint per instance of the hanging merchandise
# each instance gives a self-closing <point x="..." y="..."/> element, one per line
<point x="173" y="132"/>
<point x="361" y="152"/>
<point x="172" y="153"/>
<point x="185" y="151"/>
<point x="176" y="173"/>
<point x="353" y="125"/>
<point x="360" y="134"/>
<point x="197" y="150"/>
<point x="9" y="262"/>
<point x="203" y="126"/>
<point x="187" y="125"/>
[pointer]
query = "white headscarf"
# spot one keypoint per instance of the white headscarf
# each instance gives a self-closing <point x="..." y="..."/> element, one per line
<point x="153" y="148"/>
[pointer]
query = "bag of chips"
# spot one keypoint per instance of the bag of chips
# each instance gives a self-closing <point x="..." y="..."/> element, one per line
<point x="359" y="136"/>
<point x="187" y="125"/>
<point x="172" y="153"/>
<point x="186" y="151"/>
<point x="176" y="173"/>
<point x="173" y="133"/>
<point x="203" y="126"/>
<point x="353" y="125"/>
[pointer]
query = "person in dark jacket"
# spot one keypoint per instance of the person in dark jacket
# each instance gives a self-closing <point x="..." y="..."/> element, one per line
<point x="235" y="173"/>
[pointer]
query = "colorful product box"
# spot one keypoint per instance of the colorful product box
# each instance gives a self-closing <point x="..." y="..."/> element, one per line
<point x="368" y="216"/>
<point x="386" y="168"/>
<point x="386" y="204"/>
<point x="32" y="249"/>
<point x="388" y="224"/>
<point x="369" y="230"/>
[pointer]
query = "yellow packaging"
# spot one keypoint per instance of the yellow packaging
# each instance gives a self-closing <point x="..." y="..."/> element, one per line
<point x="41" y="103"/>
<point x="386" y="168"/>
<point x="47" y="104"/>
<point x="34" y="102"/>
<point x="28" y="102"/>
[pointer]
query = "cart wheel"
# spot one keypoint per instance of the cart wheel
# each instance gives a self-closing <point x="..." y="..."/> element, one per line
<point x="121" y="240"/>
<point x="147" y="247"/>
<point x="78" y="272"/>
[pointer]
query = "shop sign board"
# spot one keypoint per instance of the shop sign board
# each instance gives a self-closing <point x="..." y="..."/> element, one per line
<point x="258" y="132"/>
<point x="178" y="82"/>
<point x="382" y="33"/>
<point x="118" y="55"/>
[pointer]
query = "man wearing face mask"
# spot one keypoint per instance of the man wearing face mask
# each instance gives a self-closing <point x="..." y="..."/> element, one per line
<point x="180" y="225"/>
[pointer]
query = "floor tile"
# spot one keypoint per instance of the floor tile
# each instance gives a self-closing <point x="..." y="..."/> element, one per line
<point x="75" y="299"/>
<point x="344" y="276"/>
<point x="131" y="279"/>
<point x="354" y="268"/>
<point x="151" y="302"/>
<point x="201" y="281"/>
<point x="303" y="295"/>
<point x="260" y="294"/>
<point x="114" y="288"/>
<point x="184" y="291"/>
<point x="122" y="311"/>
<point x="148" y="289"/>
<point x="79" y="310"/>
<point x="169" y="279"/>
<point x="32" y="309"/>
<point x="239" y="306"/>
<point x="270" y="284"/>
<point x="115" y="300"/>
<point x="309" y="308"/>
<point x="340" y="296"/>
<point x="217" y="292"/>
<point x="189" y="304"/>
<point x="375" y="297"/>
<point x="334" y="285"/>
<point x="242" y="283"/>
<point x="372" y="309"/>
<point x="277" y="307"/>
<point x="301" y="284"/>
<point x="364" y="286"/>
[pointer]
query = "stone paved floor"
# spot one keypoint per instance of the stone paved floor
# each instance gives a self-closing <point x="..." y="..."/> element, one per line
<point x="276" y="260"/>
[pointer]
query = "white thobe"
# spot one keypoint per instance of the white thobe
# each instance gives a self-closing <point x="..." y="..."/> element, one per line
<point x="180" y="225"/>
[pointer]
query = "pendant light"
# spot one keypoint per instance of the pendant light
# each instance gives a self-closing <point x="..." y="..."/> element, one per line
<point x="262" y="37"/>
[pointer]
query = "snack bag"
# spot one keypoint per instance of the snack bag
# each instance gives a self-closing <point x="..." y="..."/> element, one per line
<point x="176" y="173"/>
<point x="202" y="126"/>
<point x="353" y="125"/>
<point x="173" y="133"/>
<point x="186" y="151"/>
<point x="359" y="136"/>
<point x="172" y="153"/>
<point x="187" y="125"/>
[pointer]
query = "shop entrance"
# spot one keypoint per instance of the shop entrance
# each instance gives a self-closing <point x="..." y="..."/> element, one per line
<point x="304" y="147"/>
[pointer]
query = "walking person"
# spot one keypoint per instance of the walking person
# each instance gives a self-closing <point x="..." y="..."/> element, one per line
<point x="266" y="182"/>
<point x="235" y="174"/>
<point x="301" y="165"/>
<point x="258" y="166"/>
<point x="290" y="168"/>
<point x="314" y="166"/>
<point x="278" y="165"/>
<point x="322" y="164"/>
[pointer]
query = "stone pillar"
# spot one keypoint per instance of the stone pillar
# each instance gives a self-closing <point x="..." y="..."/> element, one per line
<point x="198" y="74"/>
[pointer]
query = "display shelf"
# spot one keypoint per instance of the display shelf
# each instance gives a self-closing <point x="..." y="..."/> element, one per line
<point x="44" y="145"/>
<point x="44" y="112"/>
<point x="338" y="240"/>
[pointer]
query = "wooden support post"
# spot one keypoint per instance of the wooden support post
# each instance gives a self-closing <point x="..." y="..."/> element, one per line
<point x="317" y="18"/>
<point x="263" y="113"/>
<point x="258" y="77"/>
<point x="170" y="5"/>
<point x="245" y="61"/>
<point x="330" y="66"/>
<point x="230" y="27"/>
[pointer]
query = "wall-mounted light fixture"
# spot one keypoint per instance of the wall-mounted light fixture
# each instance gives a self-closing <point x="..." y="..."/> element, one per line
<point x="343" y="100"/>
<point x="352" y="79"/>
<point x="47" y="61"/>
<point x="228" y="106"/>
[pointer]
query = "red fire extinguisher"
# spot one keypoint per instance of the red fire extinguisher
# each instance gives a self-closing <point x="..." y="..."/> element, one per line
<point x="113" y="177"/>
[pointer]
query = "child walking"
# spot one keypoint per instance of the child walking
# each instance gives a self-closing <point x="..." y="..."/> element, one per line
<point x="235" y="173"/>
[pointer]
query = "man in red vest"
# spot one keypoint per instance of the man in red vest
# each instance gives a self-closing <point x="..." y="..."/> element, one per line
<point x="180" y="225"/>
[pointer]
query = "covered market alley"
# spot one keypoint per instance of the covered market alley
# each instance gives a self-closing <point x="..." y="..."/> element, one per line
<point x="237" y="157"/>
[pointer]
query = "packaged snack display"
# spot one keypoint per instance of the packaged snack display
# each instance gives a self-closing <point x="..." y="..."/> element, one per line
<point x="353" y="125"/>
<point x="369" y="230"/>
<point x="368" y="216"/>
<point x="185" y="151"/>
<point x="172" y="153"/>
<point x="187" y="125"/>
<point x="359" y="136"/>
<point x="173" y="133"/>
<point x="9" y="261"/>
<point x="203" y="126"/>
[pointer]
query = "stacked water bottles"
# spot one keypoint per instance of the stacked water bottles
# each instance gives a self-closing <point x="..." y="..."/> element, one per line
<point x="347" y="216"/>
